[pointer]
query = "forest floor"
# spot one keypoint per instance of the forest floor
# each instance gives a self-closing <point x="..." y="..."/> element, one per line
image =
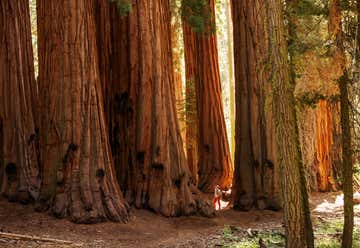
<point x="146" y="229"/>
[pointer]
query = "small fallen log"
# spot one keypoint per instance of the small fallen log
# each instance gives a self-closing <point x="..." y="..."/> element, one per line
<point x="35" y="238"/>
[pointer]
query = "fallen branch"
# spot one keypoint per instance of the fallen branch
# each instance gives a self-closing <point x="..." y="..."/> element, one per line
<point x="35" y="238"/>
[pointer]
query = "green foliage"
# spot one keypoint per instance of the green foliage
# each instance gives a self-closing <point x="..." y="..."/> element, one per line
<point x="124" y="6"/>
<point x="311" y="7"/>
<point x="328" y="235"/>
<point x="198" y="15"/>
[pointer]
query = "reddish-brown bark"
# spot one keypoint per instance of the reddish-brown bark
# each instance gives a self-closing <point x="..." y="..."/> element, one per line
<point x="324" y="143"/>
<point x="143" y="121"/>
<point x="77" y="167"/>
<point x="19" y="174"/>
<point x="256" y="178"/>
<point x="214" y="160"/>
<point x="191" y="113"/>
<point x="113" y="33"/>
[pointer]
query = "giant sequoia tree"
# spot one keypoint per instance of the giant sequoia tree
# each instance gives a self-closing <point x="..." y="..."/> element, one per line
<point x="141" y="89"/>
<point x="297" y="221"/>
<point x="214" y="160"/>
<point x="77" y="168"/>
<point x="256" y="179"/>
<point x="19" y="179"/>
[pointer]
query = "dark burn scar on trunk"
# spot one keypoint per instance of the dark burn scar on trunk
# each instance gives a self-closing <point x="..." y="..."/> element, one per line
<point x="11" y="172"/>
<point x="140" y="156"/>
<point x="158" y="166"/>
<point x="100" y="173"/>
<point x="207" y="148"/>
<point x="70" y="153"/>
<point x="269" y="164"/>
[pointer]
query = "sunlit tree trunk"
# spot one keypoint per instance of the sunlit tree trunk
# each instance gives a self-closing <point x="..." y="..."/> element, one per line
<point x="214" y="161"/>
<point x="298" y="229"/>
<point x="231" y="76"/>
<point x="77" y="167"/>
<point x="176" y="40"/>
<point x="19" y="174"/>
<point x="324" y="141"/>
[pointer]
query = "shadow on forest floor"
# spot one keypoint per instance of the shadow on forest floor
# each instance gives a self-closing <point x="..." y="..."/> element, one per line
<point x="229" y="229"/>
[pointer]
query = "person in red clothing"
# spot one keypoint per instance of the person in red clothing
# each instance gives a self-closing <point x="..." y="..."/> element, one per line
<point x="217" y="196"/>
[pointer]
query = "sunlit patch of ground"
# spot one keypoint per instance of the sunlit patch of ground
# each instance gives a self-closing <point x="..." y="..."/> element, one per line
<point x="327" y="215"/>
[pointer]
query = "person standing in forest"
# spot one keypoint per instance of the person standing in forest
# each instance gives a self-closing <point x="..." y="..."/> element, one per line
<point x="217" y="196"/>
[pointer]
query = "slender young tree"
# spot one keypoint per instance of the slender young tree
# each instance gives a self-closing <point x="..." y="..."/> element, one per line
<point x="336" y="32"/>
<point x="77" y="167"/>
<point x="19" y="174"/>
<point x="298" y="229"/>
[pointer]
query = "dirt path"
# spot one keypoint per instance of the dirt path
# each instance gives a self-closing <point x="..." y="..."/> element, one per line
<point x="146" y="229"/>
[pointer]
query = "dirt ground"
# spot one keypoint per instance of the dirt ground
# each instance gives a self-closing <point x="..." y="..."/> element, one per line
<point x="146" y="229"/>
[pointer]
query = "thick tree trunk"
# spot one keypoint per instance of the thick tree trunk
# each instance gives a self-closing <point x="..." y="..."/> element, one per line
<point x="160" y="179"/>
<point x="113" y="34"/>
<point x="256" y="181"/>
<point x="297" y="220"/>
<point x="191" y="111"/>
<point x="19" y="171"/>
<point x="77" y="168"/>
<point x="214" y="162"/>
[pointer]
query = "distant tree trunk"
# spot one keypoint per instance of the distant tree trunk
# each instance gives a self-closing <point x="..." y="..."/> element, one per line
<point x="19" y="171"/>
<point x="297" y="220"/>
<point x="321" y="145"/>
<point x="324" y="141"/>
<point x="77" y="168"/>
<point x="335" y="31"/>
<point x="214" y="162"/>
<point x="191" y="111"/>
<point x="231" y="76"/>
<point x="256" y="181"/>
<point x="161" y="176"/>
<point x="176" y="40"/>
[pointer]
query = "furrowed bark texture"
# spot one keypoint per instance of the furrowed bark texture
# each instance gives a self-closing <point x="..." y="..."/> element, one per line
<point x="191" y="111"/>
<point x="296" y="214"/>
<point x="160" y="179"/>
<point x="114" y="49"/>
<point x="324" y="141"/>
<point x="320" y="139"/>
<point x="214" y="162"/>
<point x="19" y="170"/>
<point x="256" y="178"/>
<point x="77" y="167"/>
<point x="176" y="49"/>
<point x="335" y="31"/>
